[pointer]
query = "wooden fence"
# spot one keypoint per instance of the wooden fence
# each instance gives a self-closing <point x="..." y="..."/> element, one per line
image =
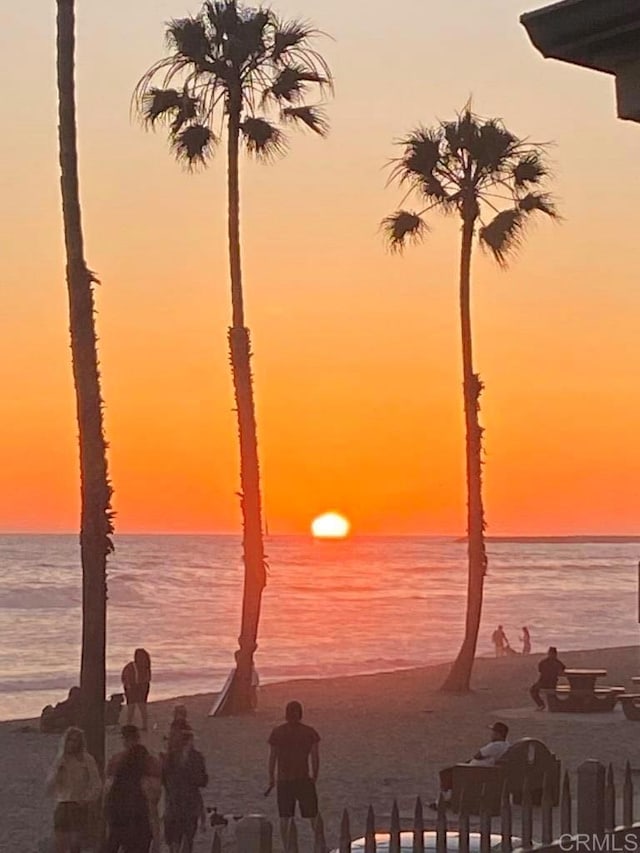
<point x="596" y="812"/>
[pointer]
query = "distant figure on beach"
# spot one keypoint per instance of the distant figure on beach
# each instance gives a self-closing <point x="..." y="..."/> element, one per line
<point x="184" y="773"/>
<point x="65" y="714"/>
<point x="74" y="783"/>
<point x="525" y="639"/>
<point x="500" y="642"/>
<point x="550" y="669"/>
<point x="179" y="721"/>
<point x="132" y="805"/>
<point x="292" y="745"/>
<point x="136" y="681"/>
<point x="486" y="756"/>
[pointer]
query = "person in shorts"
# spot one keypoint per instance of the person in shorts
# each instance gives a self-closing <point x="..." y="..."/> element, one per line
<point x="75" y="785"/>
<point x="294" y="746"/>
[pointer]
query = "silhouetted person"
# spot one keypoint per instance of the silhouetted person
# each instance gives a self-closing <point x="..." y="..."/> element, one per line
<point x="500" y="642"/>
<point x="130" y="738"/>
<point x="136" y="681"/>
<point x="550" y="669"/>
<point x="292" y="745"/>
<point x="75" y="783"/>
<point x="183" y="775"/>
<point x="486" y="756"/>
<point x="132" y="805"/>
<point x="526" y="641"/>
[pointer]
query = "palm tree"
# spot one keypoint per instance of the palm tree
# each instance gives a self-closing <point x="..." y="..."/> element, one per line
<point x="96" y="517"/>
<point x="478" y="170"/>
<point x="243" y="68"/>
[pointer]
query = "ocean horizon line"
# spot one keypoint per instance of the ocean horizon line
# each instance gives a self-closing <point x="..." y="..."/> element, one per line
<point x="552" y="538"/>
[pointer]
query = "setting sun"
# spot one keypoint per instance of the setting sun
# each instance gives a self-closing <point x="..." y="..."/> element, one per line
<point x="330" y="525"/>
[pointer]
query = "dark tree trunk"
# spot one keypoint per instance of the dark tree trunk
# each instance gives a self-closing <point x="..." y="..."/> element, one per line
<point x="95" y="525"/>
<point x="238" y="699"/>
<point x="458" y="680"/>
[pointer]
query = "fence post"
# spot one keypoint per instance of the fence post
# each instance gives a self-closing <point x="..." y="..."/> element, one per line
<point x="345" y="833"/>
<point x="485" y="821"/>
<point x="627" y="798"/>
<point x="441" y="825"/>
<point x="505" y="818"/>
<point x="547" y="810"/>
<point x="370" y="832"/>
<point x="565" y="806"/>
<point x="463" y="824"/>
<point x="418" y="828"/>
<point x="527" y="814"/>
<point x="609" y="800"/>
<point x="591" y="784"/>
<point x="394" y="829"/>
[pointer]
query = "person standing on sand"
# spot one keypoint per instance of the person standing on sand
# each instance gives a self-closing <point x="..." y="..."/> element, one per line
<point x="549" y="669"/>
<point x="292" y="744"/>
<point x="132" y="806"/>
<point x="136" y="681"/>
<point x="75" y="784"/>
<point x="500" y="642"/>
<point x="184" y="773"/>
<point x="525" y="639"/>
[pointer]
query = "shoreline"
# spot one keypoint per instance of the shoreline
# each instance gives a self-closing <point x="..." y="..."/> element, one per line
<point x="276" y="681"/>
<point x="383" y="737"/>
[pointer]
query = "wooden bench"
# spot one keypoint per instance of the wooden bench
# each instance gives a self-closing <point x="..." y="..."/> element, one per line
<point x="526" y="758"/>
<point x="630" y="705"/>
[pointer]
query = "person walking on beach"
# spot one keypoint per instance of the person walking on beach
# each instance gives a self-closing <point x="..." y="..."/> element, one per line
<point x="74" y="782"/>
<point x="292" y="744"/>
<point x="184" y="773"/>
<point x="132" y="806"/>
<point x="550" y="669"/>
<point x="525" y="639"/>
<point x="136" y="681"/>
<point x="500" y="642"/>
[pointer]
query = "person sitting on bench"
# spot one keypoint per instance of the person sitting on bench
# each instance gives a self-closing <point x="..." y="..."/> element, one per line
<point x="486" y="756"/>
<point x="550" y="669"/>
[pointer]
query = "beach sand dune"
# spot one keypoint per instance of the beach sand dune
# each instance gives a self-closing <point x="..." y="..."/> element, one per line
<point x="383" y="736"/>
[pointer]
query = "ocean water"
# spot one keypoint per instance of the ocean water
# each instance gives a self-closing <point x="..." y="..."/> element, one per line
<point x="330" y="608"/>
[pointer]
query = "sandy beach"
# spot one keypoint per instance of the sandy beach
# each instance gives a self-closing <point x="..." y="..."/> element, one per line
<point x="383" y="736"/>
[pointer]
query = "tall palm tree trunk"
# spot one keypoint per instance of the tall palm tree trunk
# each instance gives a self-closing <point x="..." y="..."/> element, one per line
<point x="238" y="699"/>
<point x="96" y="526"/>
<point x="459" y="677"/>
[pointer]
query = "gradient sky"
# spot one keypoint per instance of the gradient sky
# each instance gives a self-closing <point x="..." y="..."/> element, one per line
<point x="357" y="353"/>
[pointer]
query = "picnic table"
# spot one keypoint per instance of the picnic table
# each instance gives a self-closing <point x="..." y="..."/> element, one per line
<point x="581" y="696"/>
<point x="631" y="702"/>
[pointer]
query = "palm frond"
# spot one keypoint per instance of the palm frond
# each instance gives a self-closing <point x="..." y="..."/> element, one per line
<point x="541" y="202"/>
<point x="194" y="144"/>
<point x="290" y="83"/>
<point x="159" y="104"/>
<point x="188" y="37"/>
<point x="262" y="138"/>
<point x="422" y="150"/>
<point x="492" y="145"/>
<point x="290" y="34"/>
<point x="313" y="117"/>
<point x="503" y="235"/>
<point x="462" y="133"/>
<point x="402" y="227"/>
<point x="530" y="169"/>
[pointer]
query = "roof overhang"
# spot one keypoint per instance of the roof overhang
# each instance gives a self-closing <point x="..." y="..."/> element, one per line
<point x="599" y="34"/>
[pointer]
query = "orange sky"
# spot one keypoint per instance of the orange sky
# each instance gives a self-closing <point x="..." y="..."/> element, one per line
<point x="357" y="355"/>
